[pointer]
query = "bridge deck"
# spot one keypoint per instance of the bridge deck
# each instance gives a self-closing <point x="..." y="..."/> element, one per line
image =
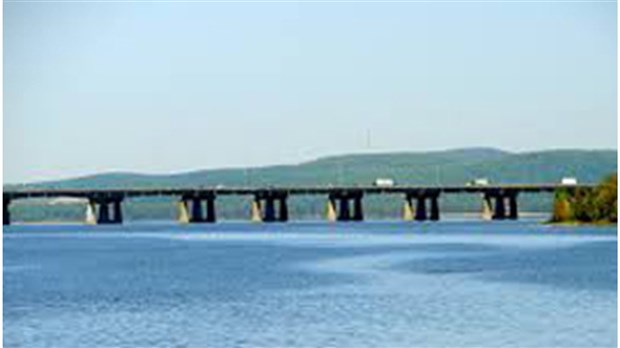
<point x="290" y="190"/>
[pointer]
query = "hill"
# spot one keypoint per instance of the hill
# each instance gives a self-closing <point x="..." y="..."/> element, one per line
<point x="445" y="167"/>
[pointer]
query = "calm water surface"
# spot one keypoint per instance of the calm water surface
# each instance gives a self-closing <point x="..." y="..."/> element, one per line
<point x="458" y="284"/>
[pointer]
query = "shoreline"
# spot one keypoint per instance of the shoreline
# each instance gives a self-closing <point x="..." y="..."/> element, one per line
<point x="580" y="223"/>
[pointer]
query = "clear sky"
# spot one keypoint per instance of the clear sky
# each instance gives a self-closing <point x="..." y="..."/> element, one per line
<point x="170" y="87"/>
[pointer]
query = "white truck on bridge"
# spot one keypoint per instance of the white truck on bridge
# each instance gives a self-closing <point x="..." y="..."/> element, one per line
<point x="383" y="182"/>
<point x="478" y="182"/>
<point x="569" y="181"/>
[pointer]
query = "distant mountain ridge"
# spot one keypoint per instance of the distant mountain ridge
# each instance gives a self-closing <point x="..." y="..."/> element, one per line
<point x="438" y="167"/>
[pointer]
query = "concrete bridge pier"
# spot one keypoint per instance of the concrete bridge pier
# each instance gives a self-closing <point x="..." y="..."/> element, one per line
<point x="331" y="209"/>
<point x="270" y="213"/>
<point x="348" y="208"/>
<point x="506" y="206"/>
<point x="343" y="211"/>
<point x="500" y="208"/>
<point x="420" y="210"/>
<point x="183" y="211"/>
<point x="513" y="212"/>
<point x="283" y="210"/>
<point x="487" y="208"/>
<point x="500" y="205"/>
<point x="104" y="211"/>
<point x="358" y="211"/>
<point x="197" y="214"/>
<point x="256" y="210"/>
<point x="6" y="212"/>
<point x="202" y="209"/>
<point x="91" y="213"/>
<point x="270" y="210"/>
<point x="408" y="209"/>
<point x="116" y="216"/>
<point x="434" y="208"/>
<point x="211" y="217"/>
<point x="118" y="212"/>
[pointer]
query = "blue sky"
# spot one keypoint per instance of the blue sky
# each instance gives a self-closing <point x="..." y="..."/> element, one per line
<point x="169" y="87"/>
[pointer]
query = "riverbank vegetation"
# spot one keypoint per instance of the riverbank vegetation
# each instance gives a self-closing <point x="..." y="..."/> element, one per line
<point x="594" y="205"/>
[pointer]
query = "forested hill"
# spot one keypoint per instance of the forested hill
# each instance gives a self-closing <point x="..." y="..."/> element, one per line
<point x="445" y="167"/>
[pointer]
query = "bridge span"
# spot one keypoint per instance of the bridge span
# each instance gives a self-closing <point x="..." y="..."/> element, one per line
<point x="269" y="204"/>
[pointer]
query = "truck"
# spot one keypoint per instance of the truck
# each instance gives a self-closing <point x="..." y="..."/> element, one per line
<point x="478" y="182"/>
<point x="568" y="181"/>
<point x="383" y="182"/>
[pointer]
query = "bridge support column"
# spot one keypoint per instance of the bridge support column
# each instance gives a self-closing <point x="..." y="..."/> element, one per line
<point x="343" y="211"/>
<point x="256" y="210"/>
<point x="104" y="213"/>
<point x="420" y="211"/>
<point x="487" y="209"/>
<point x="513" y="212"/>
<point x="331" y="209"/>
<point x="283" y="210"/>
<point x="270" y="213"/>
<point x="270" y="210"/>
<point x="358" y="212"/>
<point x="500" y="208"/>
<point x="118" y="212"/>
<point x="408" y="209"/>
<point x="211" y="217"/>
<point x="91" y="212"/>
<point x="197" y="215"/>
<point x="182" y="211"/>
<point x="434" y="208"/>
<point x="98" y="210"/>
<point x="6" y="213"/>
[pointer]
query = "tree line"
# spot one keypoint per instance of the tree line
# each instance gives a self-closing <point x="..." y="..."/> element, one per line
<point x="588" y="205"/>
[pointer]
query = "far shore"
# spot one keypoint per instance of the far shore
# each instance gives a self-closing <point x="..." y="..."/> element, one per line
<point x="580" y="223"/>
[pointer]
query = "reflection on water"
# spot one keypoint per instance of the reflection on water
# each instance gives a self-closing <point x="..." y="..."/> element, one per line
<point x="465" y="284"/>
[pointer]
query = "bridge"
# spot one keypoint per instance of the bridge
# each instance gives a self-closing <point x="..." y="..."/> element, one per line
<point x="269" y="204"/>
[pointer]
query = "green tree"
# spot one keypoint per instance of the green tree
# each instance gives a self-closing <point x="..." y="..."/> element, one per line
<point x="606" y="199"/>
<point x="562" y="207"/>
<point x="599" y="204"/>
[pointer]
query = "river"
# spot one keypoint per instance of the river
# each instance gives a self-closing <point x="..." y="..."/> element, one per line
<point x="373" y="284"/>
